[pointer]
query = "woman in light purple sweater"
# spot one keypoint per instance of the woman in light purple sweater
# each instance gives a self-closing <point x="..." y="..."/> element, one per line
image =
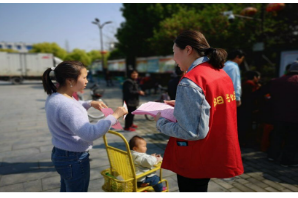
<point x="72" y="133"/>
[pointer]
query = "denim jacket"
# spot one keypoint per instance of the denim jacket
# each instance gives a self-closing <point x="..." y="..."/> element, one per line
<point x="192" y="111"/>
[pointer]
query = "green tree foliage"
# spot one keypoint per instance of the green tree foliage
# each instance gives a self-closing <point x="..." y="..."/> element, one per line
<point x="46" y="47"/>
<point x="217" y="29"/>
<point x="8" y="50"/>
<point x="116" y="54"/>
<point x="141" y="20"/>
<point x="150" y="29"/>
<point x="79" y="55"/>
<point x="94" y="55"/>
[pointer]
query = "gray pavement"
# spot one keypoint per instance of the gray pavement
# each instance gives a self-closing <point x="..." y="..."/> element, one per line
<point x="25" y="148"/>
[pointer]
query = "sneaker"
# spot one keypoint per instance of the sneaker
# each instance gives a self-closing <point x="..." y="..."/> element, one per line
<point x="129" y="129"/>
<point x="134" y="126"/>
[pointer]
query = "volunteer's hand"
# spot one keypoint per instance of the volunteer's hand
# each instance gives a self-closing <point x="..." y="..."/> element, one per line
<point x="170" y="102"/>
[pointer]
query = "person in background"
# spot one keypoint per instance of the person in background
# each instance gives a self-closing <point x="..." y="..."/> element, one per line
<point x="173" y="83"/>
<point x="283" y="147"/>
<point x="235" y="58"/>
<point x="287" y="69"/>
<point x="67" y="118"/>
<point x="108" y="78"/>
<point x="144" y="162"/>
<point x="131" y="92"/>
<point x="203" y="142"/>
<point x="249" y="108"/>
<point x="145" y="84"/>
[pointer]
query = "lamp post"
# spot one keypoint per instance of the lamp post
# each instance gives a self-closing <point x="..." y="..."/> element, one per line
<point x="97" y="22"/>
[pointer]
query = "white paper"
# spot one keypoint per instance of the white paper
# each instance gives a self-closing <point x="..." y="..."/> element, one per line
<point x="125" y="106"/>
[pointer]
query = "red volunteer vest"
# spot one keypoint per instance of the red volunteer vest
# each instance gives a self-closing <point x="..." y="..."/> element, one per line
<point x="218" y="154"/>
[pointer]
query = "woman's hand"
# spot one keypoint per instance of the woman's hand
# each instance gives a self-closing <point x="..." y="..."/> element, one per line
<point x="141" y="93"/>
<point x="170" y="102"/>
<point x="98" y="105"/>
<point x="119" y="112"/>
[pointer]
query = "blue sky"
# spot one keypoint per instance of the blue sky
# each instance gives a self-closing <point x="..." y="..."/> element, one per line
<point x="59" y="22"/>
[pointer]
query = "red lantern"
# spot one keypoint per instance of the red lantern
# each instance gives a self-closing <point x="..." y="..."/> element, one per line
<point x="103" y="52"/>
<point x="273" y="7"/>
<point x="249" y="11"/>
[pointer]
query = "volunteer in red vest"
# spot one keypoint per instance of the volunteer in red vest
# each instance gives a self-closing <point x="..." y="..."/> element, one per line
<point x="203" y="142"/>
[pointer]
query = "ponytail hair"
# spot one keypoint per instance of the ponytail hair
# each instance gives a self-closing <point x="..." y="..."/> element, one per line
<point x="217" y="57"/>
<point x="195" y="39"/>
<point x="47" y="83"/>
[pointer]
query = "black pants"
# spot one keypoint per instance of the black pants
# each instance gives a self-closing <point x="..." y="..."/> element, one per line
<point x="192" y="185"/>
<point x="283" y="143"/>
<point x="129" y="117"/>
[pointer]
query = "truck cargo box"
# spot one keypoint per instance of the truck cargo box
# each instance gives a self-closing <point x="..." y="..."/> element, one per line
<point x="19" y="66"/>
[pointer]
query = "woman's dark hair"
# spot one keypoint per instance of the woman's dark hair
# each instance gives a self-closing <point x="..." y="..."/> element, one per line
<point x="251" y="74"/>
<point x="65" y="70"/>
<point x="178" y="70"/>
<point x="234" y="53"/>
<point x="131" y="71"/>
<point x="195" y="39"/>
<point x="133" y="141"/>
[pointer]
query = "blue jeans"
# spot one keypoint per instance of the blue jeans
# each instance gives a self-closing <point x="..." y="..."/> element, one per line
<point x="73" y="168"/>
<point x="153" y="181"/>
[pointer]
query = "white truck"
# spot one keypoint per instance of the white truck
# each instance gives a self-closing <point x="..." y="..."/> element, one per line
<point x="16" y="67"/>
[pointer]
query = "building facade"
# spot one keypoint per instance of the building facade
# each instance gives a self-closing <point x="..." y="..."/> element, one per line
<point x="17" y="46"/>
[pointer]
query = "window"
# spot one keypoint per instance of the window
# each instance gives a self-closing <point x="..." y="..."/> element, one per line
<point x="19" y="47"/>
<point x="29" y="47"/>
<point x="9" y="46"/>
<point x="0" y="46"/>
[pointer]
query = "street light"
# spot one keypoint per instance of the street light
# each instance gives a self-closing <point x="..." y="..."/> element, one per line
<point x="231" y="17"/>
<point x="97" y="22"/>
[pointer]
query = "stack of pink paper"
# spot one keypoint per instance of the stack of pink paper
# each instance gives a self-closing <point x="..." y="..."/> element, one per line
<point x="152" y="108"/>
<point x="109" y="111"/>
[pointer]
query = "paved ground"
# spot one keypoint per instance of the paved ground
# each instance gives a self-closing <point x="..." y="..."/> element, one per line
<point x="25" y="147"/>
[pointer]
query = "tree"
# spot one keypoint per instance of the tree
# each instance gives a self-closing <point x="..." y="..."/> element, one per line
<point x="277" y="30"/>
<point x="46" y="47"/>
<point x="8" y="50"/>
<point x="94" y="55"/>
<point x="141" y="20"/>
<point x="79" y="55"/>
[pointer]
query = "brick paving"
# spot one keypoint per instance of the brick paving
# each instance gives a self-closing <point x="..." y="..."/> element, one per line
<point x="25" y="148"/>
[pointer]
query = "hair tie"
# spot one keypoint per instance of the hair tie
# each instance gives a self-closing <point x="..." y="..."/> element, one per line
<point x="52" y="68"/>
